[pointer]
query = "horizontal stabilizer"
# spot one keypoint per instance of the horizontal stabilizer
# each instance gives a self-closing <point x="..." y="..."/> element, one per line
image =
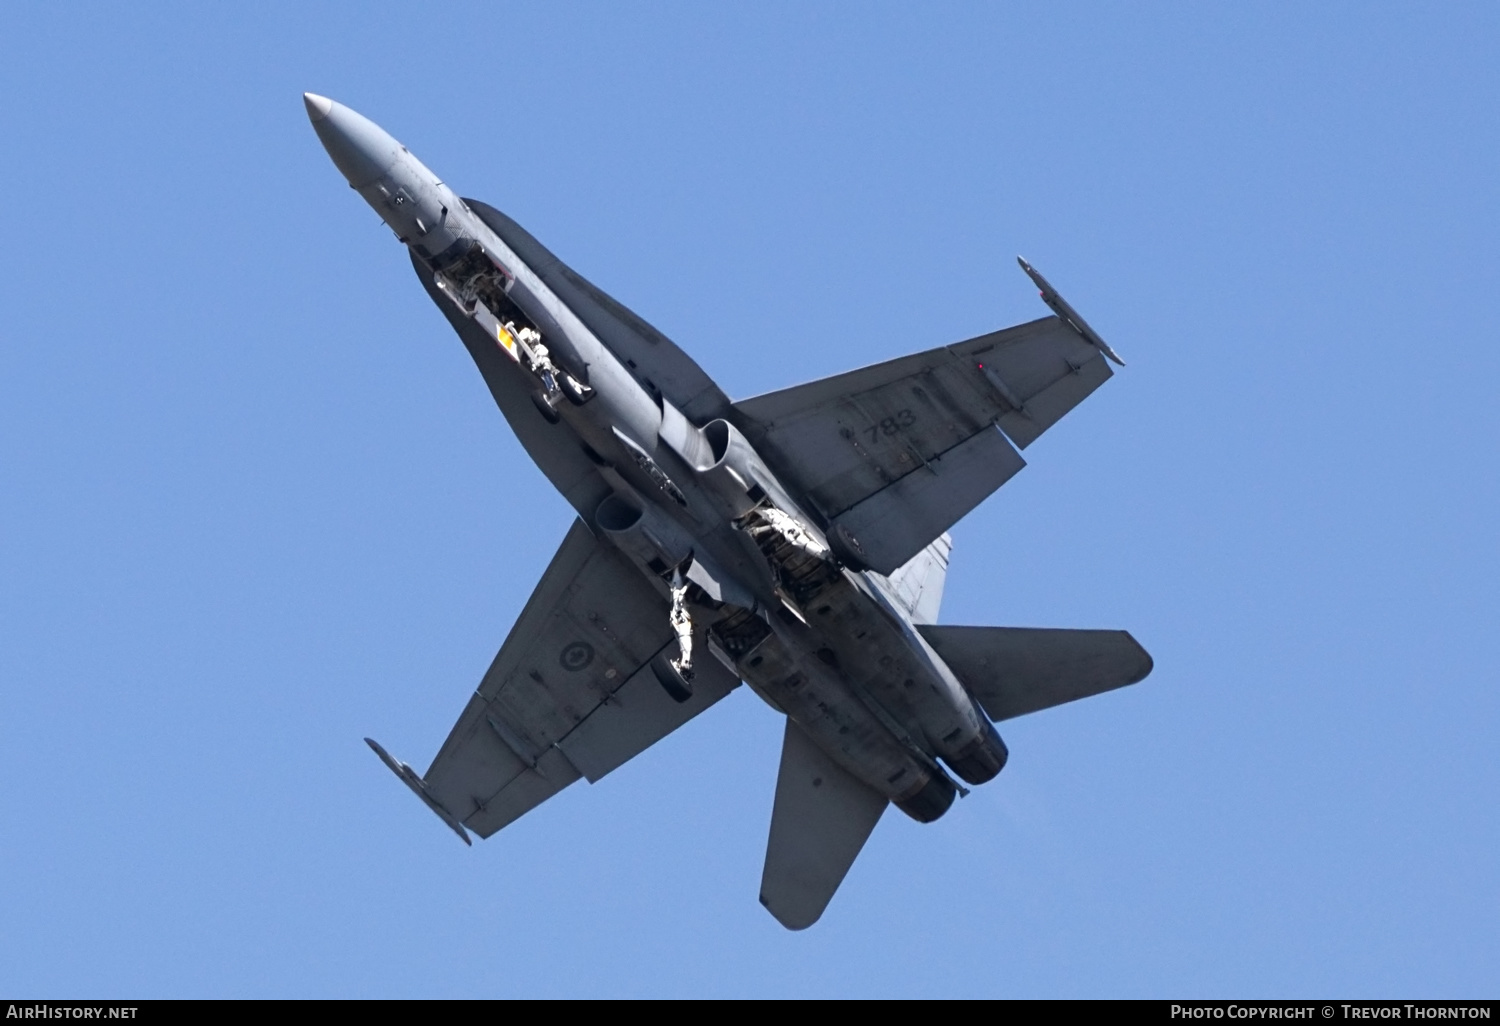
<point x="822" y="818"/>
<point x="1019" y="670"/>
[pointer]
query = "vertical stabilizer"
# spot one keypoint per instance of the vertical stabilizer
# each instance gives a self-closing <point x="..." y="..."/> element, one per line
<point x="918" y="584"/>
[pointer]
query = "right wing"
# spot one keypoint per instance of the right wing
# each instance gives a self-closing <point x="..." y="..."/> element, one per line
<point x="894" y="454"/>
<point x="1018" y="670"/>
<point x="571" y="692"/>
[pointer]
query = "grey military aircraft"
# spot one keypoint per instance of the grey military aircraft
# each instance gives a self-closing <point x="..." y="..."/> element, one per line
<point x="796" y="542"/>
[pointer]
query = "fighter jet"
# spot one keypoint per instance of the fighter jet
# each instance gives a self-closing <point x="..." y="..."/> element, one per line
<point x="795" y="542"/>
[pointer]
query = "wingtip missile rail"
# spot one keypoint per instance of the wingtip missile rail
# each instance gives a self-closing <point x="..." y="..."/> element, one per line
<point x="1065" y="311"/>
<point x="419" y="787"/>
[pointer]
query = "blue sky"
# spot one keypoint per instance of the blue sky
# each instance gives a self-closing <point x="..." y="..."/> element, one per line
<point x="255" y="502"/>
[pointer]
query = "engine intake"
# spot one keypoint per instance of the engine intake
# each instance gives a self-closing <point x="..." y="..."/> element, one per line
<point x="731" y="468"/>
<point x="643" y="533"/>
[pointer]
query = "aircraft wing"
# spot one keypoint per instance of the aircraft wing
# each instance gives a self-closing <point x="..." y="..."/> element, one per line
<point x="570" y="694"/>
<point x="894" y="454"/>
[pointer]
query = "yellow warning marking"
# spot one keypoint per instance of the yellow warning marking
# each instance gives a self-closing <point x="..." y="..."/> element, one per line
<point x="505" y="340"/>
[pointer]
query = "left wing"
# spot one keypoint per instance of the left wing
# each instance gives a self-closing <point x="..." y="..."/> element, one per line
<point x="892" y="455"/>
<point x="570" y="694"/>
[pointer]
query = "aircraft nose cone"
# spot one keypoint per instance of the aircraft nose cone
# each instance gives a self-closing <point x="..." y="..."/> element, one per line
<point x="317" y="106"/>
<point x="360" y="148"/>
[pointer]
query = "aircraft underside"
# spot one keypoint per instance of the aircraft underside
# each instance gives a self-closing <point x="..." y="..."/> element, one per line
<point x="795" y="541"/>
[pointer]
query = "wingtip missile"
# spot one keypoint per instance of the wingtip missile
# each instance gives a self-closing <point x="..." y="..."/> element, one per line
<point x="1066" y="313"/>
<point x="419" y="787"/>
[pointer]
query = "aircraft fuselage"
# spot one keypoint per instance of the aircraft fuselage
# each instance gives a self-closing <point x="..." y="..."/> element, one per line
<point x="693" y="506"/>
